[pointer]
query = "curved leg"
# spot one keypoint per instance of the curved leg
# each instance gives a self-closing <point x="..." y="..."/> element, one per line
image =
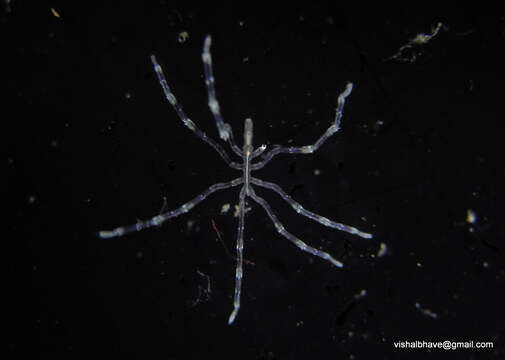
<point x="281" y="230"/>
<point x="187" y="121"/>
<point x="159" y="219"/>
<point x="308" y="149"/>
<point x="302" y="211"/>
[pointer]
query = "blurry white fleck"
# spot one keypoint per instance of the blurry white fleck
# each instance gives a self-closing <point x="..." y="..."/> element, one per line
<point x="426" y="312"/>
<point x="246" y="59"/>
<point x="31" y="199"/>
<point x="418" y="264"/>
<point x="241" y="23"/>
<point x="139" y="255"/>
<point x="237" y="209"/>
<point x="317" y="172"/>
<point x="225" y="208"/>
<point x="55" y="13"/>
<point x="53" y="143"/>
<point x="419" y="40"/>
<point x="183" y="36"/>
<point x="485" y="264"/>
<point x="382" y="250"/>
<point x="127" y="95"/>
<point x="189" y="225"/>
<point x="471" y="217"/>
<point x="361" y="294"/>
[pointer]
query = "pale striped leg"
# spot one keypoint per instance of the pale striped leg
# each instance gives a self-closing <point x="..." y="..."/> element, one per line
<point x="281" y="230"/>
<point x="240" y="247"/>
<point x="232" y="143"/>
<point x="302" y="211"/>
<point x="224" y="130"/>
<point x="159" y="219"/>
<point x="187" y="121"/>
<point x="310" y="148"/>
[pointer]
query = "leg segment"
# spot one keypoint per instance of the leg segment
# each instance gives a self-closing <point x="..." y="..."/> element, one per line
<point x="281" y="230"/>
<point x="300" y="210"/>
<point x="224" y="131"/>
<point x="310" y="148"/>
<point x="182" y="115"/>
<point x="240" y="247"/>
<point x="159" y="219"/>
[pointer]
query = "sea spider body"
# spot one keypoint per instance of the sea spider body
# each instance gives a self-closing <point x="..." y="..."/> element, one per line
<point x="247" y="153"/>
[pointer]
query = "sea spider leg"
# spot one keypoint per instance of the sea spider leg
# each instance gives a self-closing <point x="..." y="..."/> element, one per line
<point x="159" y="219"/>
<point x="308" y="149"/>
<point x="182" y="115"/>
<point x="302" y="211"/>
<point x="240" y="248"/>
<point x="224" y="130"/>
<point x="281" y="230"/>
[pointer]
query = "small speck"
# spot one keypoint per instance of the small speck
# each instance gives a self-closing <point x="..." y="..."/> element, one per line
<point x="55" y="13"/>
<point x="190" y="224"/>
<point x="127" y="95"/>
<point x="361" y="294"/>
<point x="139" y="255"/>
<point x="426" y="312"/>
<point x="419" y="264"/>
<point x="225" y="208"/>
<point x="183" y="36"/>
<point x="54" y="143"/>
<point x="485" y="264"/>
<point x="31" y="199"/>
<point x="383" y="249"/>
<point x="317" y="172"/>
<point x="471" y="217"/>
<point x="241" y="23"/>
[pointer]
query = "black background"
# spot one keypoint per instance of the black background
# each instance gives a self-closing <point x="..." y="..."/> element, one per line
<point x="92" y="144"/>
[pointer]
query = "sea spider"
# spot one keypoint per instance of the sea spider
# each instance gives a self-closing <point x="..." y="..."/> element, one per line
<point x="247" y="153"/>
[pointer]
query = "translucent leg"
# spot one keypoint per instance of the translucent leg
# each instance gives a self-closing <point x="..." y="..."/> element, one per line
<point x="187" y="121"/>
<point x="240" y="247"/>
<point x="281" y="230"/>
<point x="308" y="149"/>
<point x="159" y="219"/>
<point x="302" y="211"/>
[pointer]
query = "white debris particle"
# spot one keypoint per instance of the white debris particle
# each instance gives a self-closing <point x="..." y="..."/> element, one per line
<point x="361" y="294"/>
<point x="317" y="172"/>
<point x="485" y="264"/>
<point x="237" y="210"/>
<point x="416" y="42"/>
<point x="225" y="208"/>
<point x="190" y="224"/>
<point x="183" y="36"/>
<point x="127" y="95"/>
<point x="426" y="312"/>
<point x="471" y="217"/>
<point x="31" y="199"/>
<point x="55" y="13"/>
<point x="383" y="249"/>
